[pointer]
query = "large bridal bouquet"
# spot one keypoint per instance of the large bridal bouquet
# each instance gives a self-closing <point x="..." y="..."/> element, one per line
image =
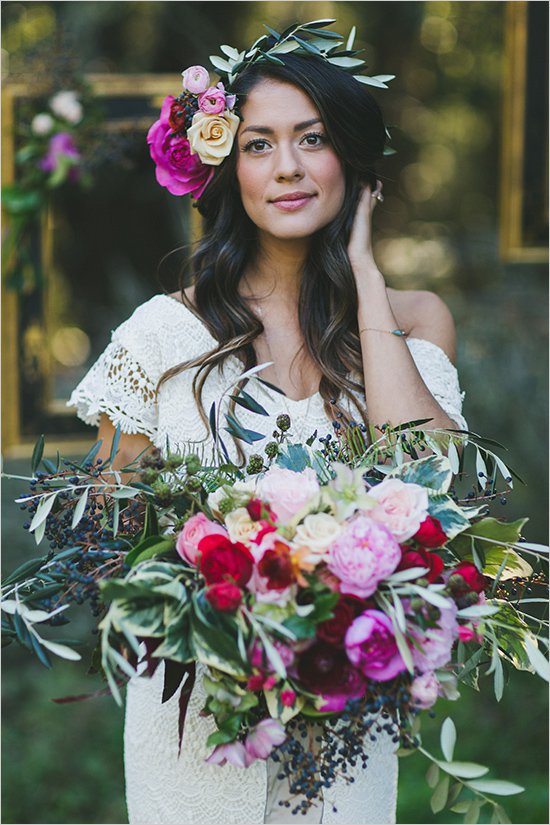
<point x="340" y="591"/>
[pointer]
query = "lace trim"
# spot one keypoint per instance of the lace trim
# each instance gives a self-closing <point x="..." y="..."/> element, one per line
<point x="118" y="386"/>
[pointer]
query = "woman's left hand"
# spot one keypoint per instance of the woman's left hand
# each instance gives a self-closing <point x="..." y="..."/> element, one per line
<point x="360" y="243"/>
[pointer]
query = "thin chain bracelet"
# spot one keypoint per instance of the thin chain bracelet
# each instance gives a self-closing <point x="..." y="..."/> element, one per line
<point x="400" y="333"/>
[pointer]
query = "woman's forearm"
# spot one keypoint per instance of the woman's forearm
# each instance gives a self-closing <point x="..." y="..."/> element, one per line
<point x="394" y="389"/>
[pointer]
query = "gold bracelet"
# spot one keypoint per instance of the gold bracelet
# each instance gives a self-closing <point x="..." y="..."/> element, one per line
<point x="399" y="332"/>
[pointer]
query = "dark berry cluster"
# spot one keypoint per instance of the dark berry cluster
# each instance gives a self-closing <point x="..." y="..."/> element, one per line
<point x="339" y="745"/>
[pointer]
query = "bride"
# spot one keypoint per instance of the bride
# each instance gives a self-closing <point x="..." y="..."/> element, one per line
<point x="284" y="274"/>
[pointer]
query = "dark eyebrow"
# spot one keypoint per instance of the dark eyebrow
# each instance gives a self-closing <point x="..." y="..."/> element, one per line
<point x="265" y="130"/>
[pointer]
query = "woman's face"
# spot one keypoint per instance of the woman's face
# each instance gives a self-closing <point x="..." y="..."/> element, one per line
<point x="291" y="180"/>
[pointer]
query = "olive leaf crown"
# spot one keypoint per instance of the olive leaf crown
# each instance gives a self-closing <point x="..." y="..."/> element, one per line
<point x="307" y="39"/>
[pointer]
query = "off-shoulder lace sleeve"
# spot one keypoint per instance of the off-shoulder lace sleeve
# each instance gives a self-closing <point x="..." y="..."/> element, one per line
<point x="117" y="385"/>
<point x="122" y="381"/>
<point x="440" y="376"/>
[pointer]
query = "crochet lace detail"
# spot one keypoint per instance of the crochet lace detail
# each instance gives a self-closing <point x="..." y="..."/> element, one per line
<point x="162" y="788"/>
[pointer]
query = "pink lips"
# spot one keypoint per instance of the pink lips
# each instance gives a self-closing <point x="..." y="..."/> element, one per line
<point x="292" y="201"/>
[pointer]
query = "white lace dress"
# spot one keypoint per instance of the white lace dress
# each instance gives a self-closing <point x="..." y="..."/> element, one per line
<point x="162" y="789"/>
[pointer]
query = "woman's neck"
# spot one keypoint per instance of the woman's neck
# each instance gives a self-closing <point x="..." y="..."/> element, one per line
<point x="277" y="268"/>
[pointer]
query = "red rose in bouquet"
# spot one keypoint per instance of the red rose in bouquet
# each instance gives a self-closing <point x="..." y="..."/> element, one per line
<point x="430" y="533"/>
<point x="276" y="566"/>
<point x="470" y="578"/>
<point x="423" y="558"/>
<point x="346" y="610"/>
<point x="223" y="560"/>
<point x="326" y="670"/>
<point x="224" y="596"/>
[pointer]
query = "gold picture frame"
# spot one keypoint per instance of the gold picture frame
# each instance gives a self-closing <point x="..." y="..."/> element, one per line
<point x="25" y="345"/>
<point x="524" y="159"/>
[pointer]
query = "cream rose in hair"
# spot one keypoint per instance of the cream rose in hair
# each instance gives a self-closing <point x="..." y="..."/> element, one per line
<point x="316" y="533"/>
<point x="211" y="136"/>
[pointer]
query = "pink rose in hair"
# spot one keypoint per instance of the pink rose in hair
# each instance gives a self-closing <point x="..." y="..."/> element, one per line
<point x="212" y="101"/>
<point x="287" y="491"/>
<point x="198" y="526"/>
<point x="371" y="646"/>
<point x="196" y="79"/>
<point x="178" y="170"/>
<point x="401" y="506"/>
<point x="362" y="555"/>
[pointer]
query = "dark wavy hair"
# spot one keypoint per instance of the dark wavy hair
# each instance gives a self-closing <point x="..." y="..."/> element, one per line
<point x="328" y="298"/>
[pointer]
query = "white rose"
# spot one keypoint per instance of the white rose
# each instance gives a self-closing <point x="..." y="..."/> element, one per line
<point x="240" y="526"/>
<point x="316" y="533"/>
<point x="241" y="488"/>
<point x="42" y="124"/>
<point x="67" y="106"/>
<point x="211" y="136"/>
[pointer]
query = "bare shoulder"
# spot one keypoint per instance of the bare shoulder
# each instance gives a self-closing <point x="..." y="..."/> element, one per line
<point x="425" y="315"/>
<point x="189" y="293"/>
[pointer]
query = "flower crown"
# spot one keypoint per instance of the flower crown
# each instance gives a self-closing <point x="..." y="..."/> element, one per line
<point x="196" y="130"/>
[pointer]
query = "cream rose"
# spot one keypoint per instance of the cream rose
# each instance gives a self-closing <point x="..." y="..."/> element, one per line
<point x="240" y="526"/>
<point x="211" y="136"/>
<point x="316" y="534"/>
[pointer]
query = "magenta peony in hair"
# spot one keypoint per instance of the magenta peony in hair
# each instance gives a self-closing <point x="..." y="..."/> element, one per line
<point x="179" y="171"/>
<point x="362" y="555"/>
<point x="371" y="646"/>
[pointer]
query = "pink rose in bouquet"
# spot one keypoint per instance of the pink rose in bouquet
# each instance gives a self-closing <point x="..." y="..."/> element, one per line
<point x="401" y="506"/>
<point x="177" y="169"/>
<point x="195" y="529"/>
<point x="435" y="643"/>
<point x="362" y="555"/>
<point x="424" y="690"/>
<point x="371" y="646"/>
<point x="232" y="753"/>
<point x="287" y="491"/>
<point x="266" y="735"/>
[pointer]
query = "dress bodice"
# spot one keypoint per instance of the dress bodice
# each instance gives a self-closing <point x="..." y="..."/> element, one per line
<point x="163" y="788"/>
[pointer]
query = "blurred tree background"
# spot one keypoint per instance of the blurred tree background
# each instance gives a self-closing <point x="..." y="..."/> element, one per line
<point x="438" y="229"/>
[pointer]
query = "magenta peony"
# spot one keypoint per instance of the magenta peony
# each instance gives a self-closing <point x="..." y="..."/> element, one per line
<point x="362" y="555"/>
<point x="178" y="170"/>
<point x="401" y="507"/>
<point x="371" y="646"/>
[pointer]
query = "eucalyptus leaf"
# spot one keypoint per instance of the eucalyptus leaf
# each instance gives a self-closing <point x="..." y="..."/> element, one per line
<point x="496" y="786"/>
<point x="537" y="659"/>
<point x="60" y="650"/>
<point x="432" y="775"/>
<point x="439" y="796"/>
<point x="351" y="38"/>
<point x="80" y="508"/>
<point x="464" y="770"/>
<point x="448" y="738"/>
<point x="43" y="510"/>
<point x="230" y="51"/>
<point x="37" y="454"/>
<point x="220" y="64"/>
